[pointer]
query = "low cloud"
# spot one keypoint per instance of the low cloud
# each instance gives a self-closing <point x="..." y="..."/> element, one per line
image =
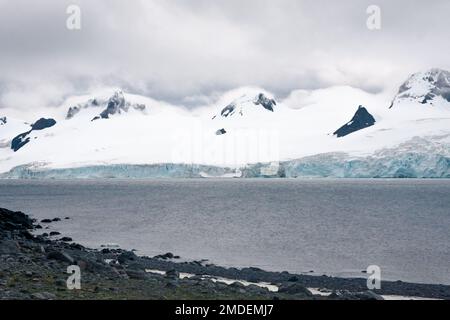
<point x="186" y="52"/>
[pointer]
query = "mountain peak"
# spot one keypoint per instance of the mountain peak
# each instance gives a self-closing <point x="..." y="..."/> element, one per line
<point x="248" y="100"/>
<point x="114" y="104"/>
<point x="425" y="87"/>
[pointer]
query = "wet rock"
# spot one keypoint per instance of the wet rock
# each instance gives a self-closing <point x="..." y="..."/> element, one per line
<point x="60" y="256"/>
<point x="137" y="274"/>
<point x="168" y="255"/>
<point x="9" y="247"/>
<point x="10" y="220"/>
<point x="46" y="221"/>
<point x="237" y="285"/>
<point x="76" y="246"/>
<point x="66" y="239"/>
<point x="54" y="233"/>
<point x="126" y="257"/>
<point x="347" y="295"/>
<point x="294" y="288"/>
<point x="173" y="274"/>
<point x="60" y="283"/>
<point x="26" y="235"/>
<point x="256" y="289"/>
<point x="43" y="296"/>
<point x="172" y="284"/>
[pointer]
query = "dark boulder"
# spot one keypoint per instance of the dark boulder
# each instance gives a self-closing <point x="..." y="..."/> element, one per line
<point x="126" y="257"/>
<point x="361" y="120"/>
<point x="172" y="274"/>
<point x="347" y="295"/>
<point x="294" y="288"/>
<point x="60" y="256"/>
<point x="137" y="274"/>
<point x="165" y="256"/>
<point x="43" y="296"/>
<point x="9" y="247"/>
<point x="76" y="246"/>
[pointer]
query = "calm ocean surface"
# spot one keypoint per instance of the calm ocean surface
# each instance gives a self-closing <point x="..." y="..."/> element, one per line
<point x="334" y="227"/>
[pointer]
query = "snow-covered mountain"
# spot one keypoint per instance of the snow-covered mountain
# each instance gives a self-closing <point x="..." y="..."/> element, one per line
<point x="116" y="104"/>
<point x="334" y="132"/>
<point x="431" y="87"/>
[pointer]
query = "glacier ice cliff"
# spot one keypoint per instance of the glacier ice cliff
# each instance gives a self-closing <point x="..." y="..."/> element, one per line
<point x="417" y="158"/>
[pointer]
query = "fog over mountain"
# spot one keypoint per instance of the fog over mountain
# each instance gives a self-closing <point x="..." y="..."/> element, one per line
<point x="189" y="53"/>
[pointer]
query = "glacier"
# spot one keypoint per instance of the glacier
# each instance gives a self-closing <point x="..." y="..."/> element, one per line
<point x="417" y="158"/>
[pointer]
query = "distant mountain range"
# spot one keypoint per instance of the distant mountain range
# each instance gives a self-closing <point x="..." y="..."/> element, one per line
<point x="337" y="132"/>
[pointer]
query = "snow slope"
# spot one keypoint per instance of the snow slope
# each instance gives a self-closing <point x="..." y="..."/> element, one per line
<point x="115" y="134"/>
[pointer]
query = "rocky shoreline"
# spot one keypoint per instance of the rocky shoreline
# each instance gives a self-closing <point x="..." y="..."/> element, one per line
<point x="35" y="267"/>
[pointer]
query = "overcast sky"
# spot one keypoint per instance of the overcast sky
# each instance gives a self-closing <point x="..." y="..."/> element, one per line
<point x="185" y="51"/>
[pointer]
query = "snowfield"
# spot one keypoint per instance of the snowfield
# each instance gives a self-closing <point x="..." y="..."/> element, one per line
<point x="246" y="133"/>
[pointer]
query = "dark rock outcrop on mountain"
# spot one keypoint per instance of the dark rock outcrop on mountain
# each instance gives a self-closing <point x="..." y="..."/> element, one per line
<point x="361" y="120"/>
<point x="246" y="101"/>
<point x="42" y="124"/>
<point x="22" y="139"/>
<point x="115" y="104"/>
<point x="228" y="110"/>
<point x="267" y="103"/>
<point x="3" y="121"/>
<point x="221" y="132"/>
<point x="76" y="109"/>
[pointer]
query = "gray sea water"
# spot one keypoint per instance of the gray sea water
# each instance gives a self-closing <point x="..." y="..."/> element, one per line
<point x="333" y="227"/>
